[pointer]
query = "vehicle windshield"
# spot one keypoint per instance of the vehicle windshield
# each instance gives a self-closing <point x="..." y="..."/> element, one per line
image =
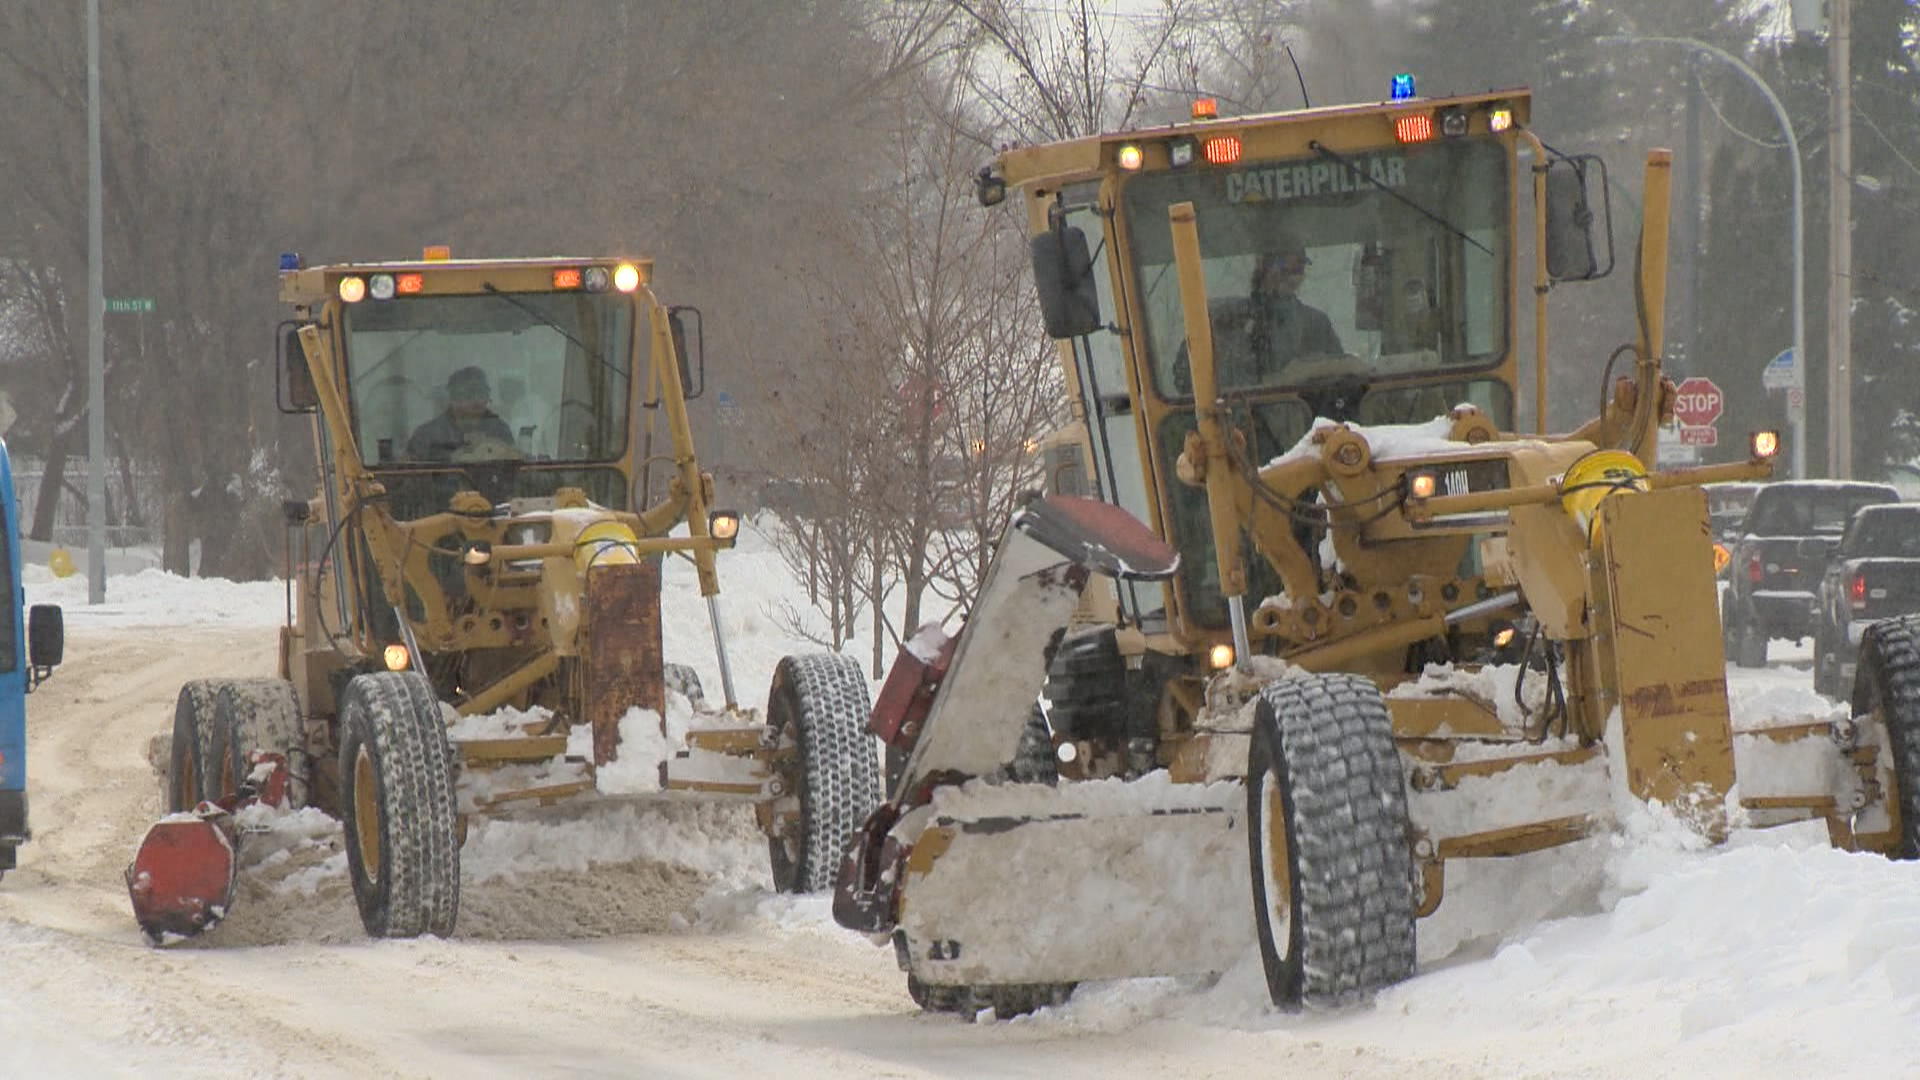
<point x="1389" y="263"/>
<point x="1892" y="533"/>
<point x="490" y="377"/>
<point x="1792" y="511"/>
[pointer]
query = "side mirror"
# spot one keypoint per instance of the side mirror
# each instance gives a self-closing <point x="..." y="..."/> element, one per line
<point x="46" y="636"/>
<point x="293" y="389"/>
<point x="696" y="363"/>
<point x="1571" y="251"/>
<point x="1063" y="275"/>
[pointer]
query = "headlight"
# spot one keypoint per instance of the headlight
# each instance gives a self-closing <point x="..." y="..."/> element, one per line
<point x="723" y="525"/>
<point x="396" y="657"/>
<point x="1220" y="657"/>
<point x="1764" y="444"/>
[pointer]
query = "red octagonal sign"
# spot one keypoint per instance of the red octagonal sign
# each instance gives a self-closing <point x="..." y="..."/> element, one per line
<point x="1698" y="402"/>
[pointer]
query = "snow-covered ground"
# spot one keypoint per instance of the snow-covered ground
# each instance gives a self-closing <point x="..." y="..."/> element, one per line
<point x="629" y="942"/>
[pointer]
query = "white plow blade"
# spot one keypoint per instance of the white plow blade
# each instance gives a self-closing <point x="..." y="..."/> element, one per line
<point x="1096" y="880"/>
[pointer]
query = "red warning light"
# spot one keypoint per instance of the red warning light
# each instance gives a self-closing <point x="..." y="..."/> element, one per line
<point x="567" y="278"/>
<point x="1414" y="127"/>
<point x="1222" y="150"/>
<point x="409" y="284"/>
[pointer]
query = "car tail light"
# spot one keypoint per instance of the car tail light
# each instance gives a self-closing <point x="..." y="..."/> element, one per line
<point x="1755" y="572"/>
<point x="1857" y="592"/>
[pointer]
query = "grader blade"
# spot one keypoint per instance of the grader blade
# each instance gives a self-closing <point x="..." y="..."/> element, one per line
<point x="182" y="877"/>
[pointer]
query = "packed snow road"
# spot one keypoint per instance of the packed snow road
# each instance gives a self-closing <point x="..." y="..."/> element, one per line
<point x="1632" y="954"/>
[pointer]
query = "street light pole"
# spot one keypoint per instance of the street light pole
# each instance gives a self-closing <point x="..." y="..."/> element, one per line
<point x="1840" y="245"/>
<point x="1796" y="414"/>
<point x="96" y="332"/>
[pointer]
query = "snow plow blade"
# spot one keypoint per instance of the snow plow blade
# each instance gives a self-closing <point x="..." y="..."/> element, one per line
<point x="181" y="880"/>
<point x="1098" y="880"/>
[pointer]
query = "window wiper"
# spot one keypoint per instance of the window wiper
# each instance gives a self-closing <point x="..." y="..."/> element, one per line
<point x="1319" y="148"/>
<point x="493" y="290"/>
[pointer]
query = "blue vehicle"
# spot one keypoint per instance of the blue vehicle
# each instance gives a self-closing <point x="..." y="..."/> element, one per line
<point x="27" y="655"/>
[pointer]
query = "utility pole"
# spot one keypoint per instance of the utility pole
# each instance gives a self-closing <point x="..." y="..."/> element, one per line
<point x="1840" y="243"/>
<point x="96" y="332"/>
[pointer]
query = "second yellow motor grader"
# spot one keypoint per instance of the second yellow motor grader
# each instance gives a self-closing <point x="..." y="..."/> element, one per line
<point x="1351" y="625"/>
<point x="474" y="620"/>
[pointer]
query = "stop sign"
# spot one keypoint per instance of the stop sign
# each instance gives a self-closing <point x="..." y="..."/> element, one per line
<point x="1697" y="402"/>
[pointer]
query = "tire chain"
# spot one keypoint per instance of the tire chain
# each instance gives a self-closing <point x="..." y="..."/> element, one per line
<point x="1350" y="843"/>
<point x="414" y="759"/>
<point x="1890" y="651"/>
<point x="841" y="776"/>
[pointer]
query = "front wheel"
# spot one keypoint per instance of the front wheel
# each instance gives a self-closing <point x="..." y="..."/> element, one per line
<point x="1332" y="870"/>
<point x="831" y="782"/>
<point x="396" y="777"/>
<point x="1886" y="691"/>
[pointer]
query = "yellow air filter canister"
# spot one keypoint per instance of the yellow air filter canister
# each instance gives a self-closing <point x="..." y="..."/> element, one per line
<point x="605" y="543"/>
<point x="1597" y="476"/>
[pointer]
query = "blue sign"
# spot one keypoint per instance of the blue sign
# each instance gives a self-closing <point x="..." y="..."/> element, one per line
<point x="1781" y="372"/>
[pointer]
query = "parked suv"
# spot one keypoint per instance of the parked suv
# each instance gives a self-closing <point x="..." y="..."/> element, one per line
<point x="1874" y="575"/>
<point x="1789" y="534"/>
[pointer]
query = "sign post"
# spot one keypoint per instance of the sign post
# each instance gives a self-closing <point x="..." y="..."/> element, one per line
<point x="1784" y="372"/>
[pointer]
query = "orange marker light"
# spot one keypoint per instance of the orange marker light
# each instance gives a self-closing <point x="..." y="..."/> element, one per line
<point x="436" y="253"/>
<point x="1223" y="150"/>
<point x="1206" y="108"/>
<point x="409" y="284"/>
<point x="567" y="278"/>
<point x="1417" y="127"/>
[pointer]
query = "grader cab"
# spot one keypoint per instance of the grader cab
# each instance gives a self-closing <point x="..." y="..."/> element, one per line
<point x="1384" y="630"/>
<point x="474" y="621"/>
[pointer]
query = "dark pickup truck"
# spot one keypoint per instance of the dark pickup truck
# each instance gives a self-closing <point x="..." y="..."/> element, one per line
<point x="1785" y="542"/>
<point x="1874" y="575"/>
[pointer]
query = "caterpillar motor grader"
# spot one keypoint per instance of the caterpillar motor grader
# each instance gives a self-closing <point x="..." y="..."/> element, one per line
<point x="1323" y="622"/>
<point x="474" y="610"/>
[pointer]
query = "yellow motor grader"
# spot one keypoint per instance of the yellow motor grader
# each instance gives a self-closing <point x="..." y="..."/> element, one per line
<point x="1351" y="626"/>
<point x="474" y="610"/>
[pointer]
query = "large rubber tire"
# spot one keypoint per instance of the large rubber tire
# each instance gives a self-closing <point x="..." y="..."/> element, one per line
<point x="1750" y="645"/>
<point x="190" y="760"/>
<point x="1328" y="838"/>
<point x="397" y="802"/>
<point x="262" y="714"/>
<point x="684" y="679"/>
<point x="1886" y="691"/>
<point x="819" y="705"/>
<point x="1087" y="685"/>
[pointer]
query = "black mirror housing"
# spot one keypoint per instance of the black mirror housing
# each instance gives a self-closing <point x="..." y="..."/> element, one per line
<point x="1063" y="275"/>
<point x="46" y="636"/>
<point x="690" y="365"/>
<point x="1572" y="254"/>
<point x="293" y="389"/>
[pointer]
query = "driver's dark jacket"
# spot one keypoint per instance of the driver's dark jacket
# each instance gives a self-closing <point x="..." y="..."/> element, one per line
<point x="1254" y="339"/>
<point x="440" y="437"/>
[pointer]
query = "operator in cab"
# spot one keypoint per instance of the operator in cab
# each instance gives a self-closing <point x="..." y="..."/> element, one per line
<point x="1282" y="327"/>
<point x="469" y="425"/>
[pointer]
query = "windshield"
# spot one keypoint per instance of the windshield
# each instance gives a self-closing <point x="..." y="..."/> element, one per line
<point x="1892" y="533"/>
<point x="1381" y="264"/>
<point x="490" y="377"/>
<point x="1804" y="511"/>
